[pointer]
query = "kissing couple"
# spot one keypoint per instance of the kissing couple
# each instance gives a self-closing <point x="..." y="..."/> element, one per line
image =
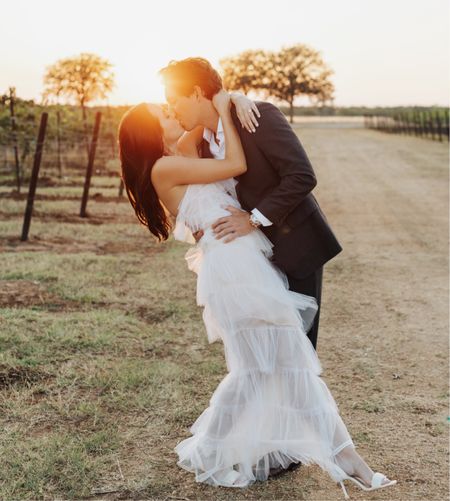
<point x="230" y="176"/>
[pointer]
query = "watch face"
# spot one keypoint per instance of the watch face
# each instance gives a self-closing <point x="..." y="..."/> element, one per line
<point x="254" y="220"/>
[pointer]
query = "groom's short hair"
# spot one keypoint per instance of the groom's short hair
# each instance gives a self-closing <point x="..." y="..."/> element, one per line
<point x="184" y="75"/>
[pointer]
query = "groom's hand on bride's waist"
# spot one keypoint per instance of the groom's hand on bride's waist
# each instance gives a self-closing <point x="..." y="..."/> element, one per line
<point x="233" y="226"/>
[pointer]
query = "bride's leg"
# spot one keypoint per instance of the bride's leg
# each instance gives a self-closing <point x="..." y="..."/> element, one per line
<point x="347" y="457"/>
<point x="353" y="464"/>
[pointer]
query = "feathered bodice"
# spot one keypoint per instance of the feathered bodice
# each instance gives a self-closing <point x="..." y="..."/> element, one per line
<point x="201" y="205"/>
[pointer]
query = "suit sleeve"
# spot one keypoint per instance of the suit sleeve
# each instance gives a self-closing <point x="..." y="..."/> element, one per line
<point x="281" y="146"/>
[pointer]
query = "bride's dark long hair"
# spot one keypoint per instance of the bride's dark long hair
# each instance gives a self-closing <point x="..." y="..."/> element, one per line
<point x="140" y="146"/>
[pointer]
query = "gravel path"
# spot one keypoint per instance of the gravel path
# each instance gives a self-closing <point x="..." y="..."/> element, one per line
<point x="383" y="339"/>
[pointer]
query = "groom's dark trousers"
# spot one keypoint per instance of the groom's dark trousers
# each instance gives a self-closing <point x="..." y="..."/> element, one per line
<point x="311" y="286"/>
<point x="278" y="182"/>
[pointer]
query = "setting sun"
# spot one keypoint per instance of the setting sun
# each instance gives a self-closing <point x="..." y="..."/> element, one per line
<point x="382" y="53"/>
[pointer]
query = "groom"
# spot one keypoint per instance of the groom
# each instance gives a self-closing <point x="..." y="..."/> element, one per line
<point x="276" y="189"/>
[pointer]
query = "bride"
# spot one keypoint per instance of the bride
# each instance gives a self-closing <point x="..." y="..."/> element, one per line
<point x="272" y="408"/>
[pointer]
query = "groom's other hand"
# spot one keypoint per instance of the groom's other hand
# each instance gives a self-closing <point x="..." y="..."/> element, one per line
<point x="236" y="225"/>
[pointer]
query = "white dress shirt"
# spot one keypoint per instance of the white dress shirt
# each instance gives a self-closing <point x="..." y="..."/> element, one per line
<point x="218" y="151"/>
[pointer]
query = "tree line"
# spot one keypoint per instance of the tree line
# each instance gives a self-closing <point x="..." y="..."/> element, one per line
<point x="72" y="84"/>
<point x="294" y="71"/>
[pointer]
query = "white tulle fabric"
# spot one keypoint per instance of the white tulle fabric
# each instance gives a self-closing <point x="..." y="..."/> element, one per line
<point x="272" y="408"/>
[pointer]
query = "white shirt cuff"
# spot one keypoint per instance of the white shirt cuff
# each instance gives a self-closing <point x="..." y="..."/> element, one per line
<point x="261" y="218"/>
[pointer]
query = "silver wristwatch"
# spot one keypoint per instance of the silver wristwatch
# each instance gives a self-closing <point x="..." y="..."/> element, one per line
<point x="254" y="221"/>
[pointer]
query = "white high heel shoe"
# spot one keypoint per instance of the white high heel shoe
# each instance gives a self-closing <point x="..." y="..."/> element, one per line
<point x="233" y="479"/>
<point x="376" y="483"/>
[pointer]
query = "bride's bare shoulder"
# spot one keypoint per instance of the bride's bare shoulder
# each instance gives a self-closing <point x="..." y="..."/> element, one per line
<point x="167" y="172"/>
<point x="161" y="168"/>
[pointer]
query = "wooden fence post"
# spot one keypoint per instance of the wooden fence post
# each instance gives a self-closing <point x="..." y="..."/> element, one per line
<point x="58" y="142"/>
<point x="401" y="122"/>
<point x="12" y="95"/>
<point x="405" y="123"/>
<point x="446" y="129"/>
<point x="113" y="145"/>
<point x="424" y="124"/>
<point x="439" y="126"/>
<point x="34" y="176"/>
<point x="416" y="124"/>
<point x="431" y="124"/>
<point x="90" y="164"/>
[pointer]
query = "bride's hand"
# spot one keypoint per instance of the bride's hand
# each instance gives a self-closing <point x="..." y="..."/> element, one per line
<point x="221" y="101"/>
<point x="246" y="110"/>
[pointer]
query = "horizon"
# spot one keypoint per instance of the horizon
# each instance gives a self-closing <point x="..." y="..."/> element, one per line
<point x="280" y="104"/>
<point x="406" y="63"/>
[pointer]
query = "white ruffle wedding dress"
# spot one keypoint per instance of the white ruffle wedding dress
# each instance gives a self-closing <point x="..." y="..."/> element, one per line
<point x="272" y="408"/>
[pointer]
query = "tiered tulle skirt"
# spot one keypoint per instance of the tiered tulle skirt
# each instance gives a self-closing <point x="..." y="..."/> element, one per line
<point x="272" y="408"/>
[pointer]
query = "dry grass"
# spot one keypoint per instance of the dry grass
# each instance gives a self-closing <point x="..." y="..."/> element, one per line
<point x="104" y="362"/>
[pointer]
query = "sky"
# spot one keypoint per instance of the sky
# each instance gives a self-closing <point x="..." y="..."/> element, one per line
<point x="382" y="52"/>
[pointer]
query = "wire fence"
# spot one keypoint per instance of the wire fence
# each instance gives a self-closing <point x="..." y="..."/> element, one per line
<point x="426" y="124"/>
<point x="60" y="146"/>
<point x="54" y="147"/>
<point x="66" y="148"/>
<point x="62" y="156"/>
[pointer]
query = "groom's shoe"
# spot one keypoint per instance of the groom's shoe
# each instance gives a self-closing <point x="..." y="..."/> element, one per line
<point x="276" y="472"/>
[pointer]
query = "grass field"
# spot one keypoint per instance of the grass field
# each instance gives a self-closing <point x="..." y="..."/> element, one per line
<point x="105" y="362"/>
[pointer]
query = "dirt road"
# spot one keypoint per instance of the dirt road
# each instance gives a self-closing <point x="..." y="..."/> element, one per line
<point x="383" y="339"/>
